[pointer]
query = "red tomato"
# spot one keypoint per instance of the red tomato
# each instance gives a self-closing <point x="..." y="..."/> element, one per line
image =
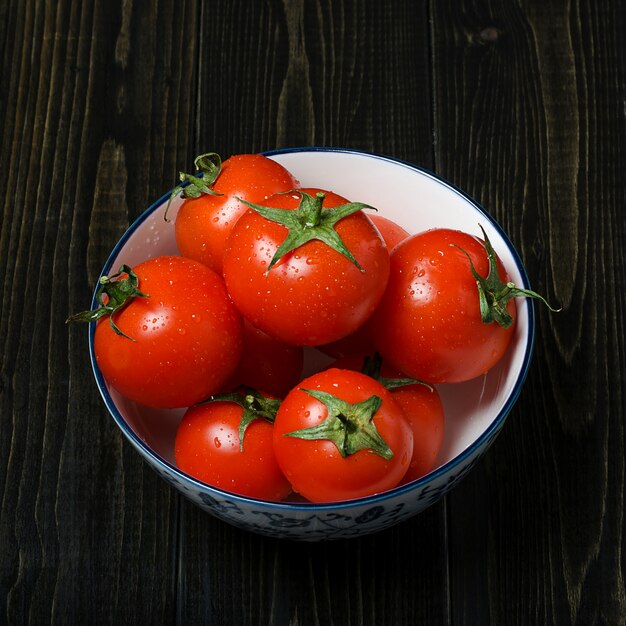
<point x="186" y="336"/>
<point x="314" y="294"/>
<point x="266" y="364"/>
<point x="424" y="411"/>
<point x="204" y="223"/>
<point x="422" y="408"/>
<point x="315" y="467"/>
<point x="207" y="447"/>
<point x="429" y="324"/>
<point x="391" y="232"/>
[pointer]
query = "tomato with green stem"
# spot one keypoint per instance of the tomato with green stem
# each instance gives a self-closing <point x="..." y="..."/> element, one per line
<point x="227" y="443"/>
<point x="213" y="202"/>
<point x="340" y="435"/>
<point x="167" y="334"/>
<point x="448" y="313"/>
<point x="308" y="268"/>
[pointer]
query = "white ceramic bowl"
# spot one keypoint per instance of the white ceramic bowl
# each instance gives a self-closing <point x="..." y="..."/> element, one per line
<point x="475" y="411"/>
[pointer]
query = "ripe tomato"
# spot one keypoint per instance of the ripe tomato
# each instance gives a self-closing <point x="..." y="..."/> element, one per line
<point x="424" y="411"/>
<point x="185" y="337"/>
<point x="428" y="324"/>
<point x="391" y="232"/>
<point x="421" y="405"/>
<point x="208" y="446"/>
<point x="341" y="463"/>
<point x="204" y="223"/>
<point x="267" y="364"/>
<point x="314" y="294"/>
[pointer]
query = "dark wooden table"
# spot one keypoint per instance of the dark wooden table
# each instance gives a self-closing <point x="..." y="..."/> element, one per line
<point x="518" y="102"/>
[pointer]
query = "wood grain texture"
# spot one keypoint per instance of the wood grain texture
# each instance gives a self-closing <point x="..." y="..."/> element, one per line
<point x="529" y="120"/>
<point x="232" y="577"/>
<point x="519" y="102"/>
<point x="89" y="124"/>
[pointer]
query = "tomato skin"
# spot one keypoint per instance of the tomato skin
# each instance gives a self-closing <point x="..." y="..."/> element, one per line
<point x="424" y="411"/>
<point x="204" y="223"/>
<point x="391" y="232"/>
<point x="428" y="323"/>
<point x="266" y="364"/>
<point x="358" y="341"/>
<point x="422" y="408"/>
<point x="187" y="336"/>
<point x="316" y="469"/>
<point x="314" y="295"/>
<point x="207" y="448"/>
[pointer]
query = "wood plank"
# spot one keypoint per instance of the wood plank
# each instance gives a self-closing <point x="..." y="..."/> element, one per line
<point x="103" y="102"/>
<point x="99" y="108"/>
<point x="529" y="120"/>
<point x="327" y="73"/>
<point x="234" y="577"/>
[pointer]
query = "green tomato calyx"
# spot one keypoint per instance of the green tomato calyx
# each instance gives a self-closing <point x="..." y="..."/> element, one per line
<point x="308" y="222"/>
<point x="254" y="404"/>
<point x="493" y="294"/>
<point x="208" y="168"/>
<point x="372" y="366"/>
<point x="113" y="294"/>
<point x="349" y="426"/>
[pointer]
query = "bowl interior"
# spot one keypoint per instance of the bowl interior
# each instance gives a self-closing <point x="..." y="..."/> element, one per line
<point x="415" y="199"/>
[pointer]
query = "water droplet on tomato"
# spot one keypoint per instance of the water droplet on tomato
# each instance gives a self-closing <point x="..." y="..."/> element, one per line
<point x="421" y="273"/>
<point x="217" y="442"/>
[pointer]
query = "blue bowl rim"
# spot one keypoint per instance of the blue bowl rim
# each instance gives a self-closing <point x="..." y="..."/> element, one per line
<point x="457" y="461"/>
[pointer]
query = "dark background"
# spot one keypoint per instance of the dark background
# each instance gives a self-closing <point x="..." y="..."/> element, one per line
<point x="518" y="102"/>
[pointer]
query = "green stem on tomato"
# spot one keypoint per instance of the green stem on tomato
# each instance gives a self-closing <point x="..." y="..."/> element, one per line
<point x="493" y="294"/>
<point x="254" y="404"/>
<point x="115" y="292"/>
<point x="372" y="367"/>
<point x="309" y="221"/>
<point x="208" y="168"/>
<point x="349" y="426"/>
